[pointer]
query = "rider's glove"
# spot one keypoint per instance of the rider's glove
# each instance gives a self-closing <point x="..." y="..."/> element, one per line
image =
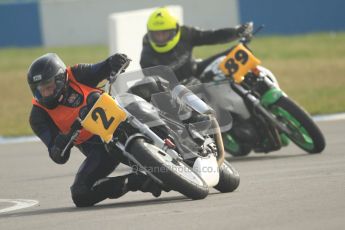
<point x="244" y="30"/>
<point x="76" y="125"/>
<point x="61" y="141"/>
<point x="116" y="61"/>
<point x="55" y="152"/>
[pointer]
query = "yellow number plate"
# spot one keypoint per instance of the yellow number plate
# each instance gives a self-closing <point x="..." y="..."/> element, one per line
<point x="238" y="62"/>
<point x="104" y="117"/>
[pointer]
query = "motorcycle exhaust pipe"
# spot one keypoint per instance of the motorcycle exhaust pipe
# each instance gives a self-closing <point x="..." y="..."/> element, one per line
<point x="219" y="141"/>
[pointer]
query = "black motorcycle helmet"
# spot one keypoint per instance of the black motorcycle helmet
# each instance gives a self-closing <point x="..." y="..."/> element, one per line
<point x="47" y="74"/>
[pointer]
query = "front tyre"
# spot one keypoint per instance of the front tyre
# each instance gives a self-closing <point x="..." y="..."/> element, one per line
<point x="229" y="178"/>
<point x="304" y="132"/>
<point x="176" y="175"/>
<point x="234" y="147"/>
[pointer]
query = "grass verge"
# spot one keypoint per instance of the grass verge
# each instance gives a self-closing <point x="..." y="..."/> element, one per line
<point x="309" y="69"/>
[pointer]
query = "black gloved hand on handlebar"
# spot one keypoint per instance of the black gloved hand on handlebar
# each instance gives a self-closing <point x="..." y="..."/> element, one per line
<point x="55" y="151"/>
<point x="76" y="125"/>
<point x="244" y="30"/>
<point x="117" y="60"/>
<point x="61" y="141"/>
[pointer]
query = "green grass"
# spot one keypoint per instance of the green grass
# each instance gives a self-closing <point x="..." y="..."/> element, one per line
<point x="309" y="69"/>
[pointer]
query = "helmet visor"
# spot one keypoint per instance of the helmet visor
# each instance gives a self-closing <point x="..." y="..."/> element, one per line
<point x="51" y="87"/>
<point x="161" y="37"/>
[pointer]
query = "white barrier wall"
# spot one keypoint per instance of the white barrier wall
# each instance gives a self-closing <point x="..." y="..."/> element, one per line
<point x="75" y="22"/>
<point x="127" y="29"/>
<point x="84" y="22"/>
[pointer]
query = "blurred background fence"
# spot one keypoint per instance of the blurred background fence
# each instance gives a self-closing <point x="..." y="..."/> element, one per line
<point x="84" y="22"/>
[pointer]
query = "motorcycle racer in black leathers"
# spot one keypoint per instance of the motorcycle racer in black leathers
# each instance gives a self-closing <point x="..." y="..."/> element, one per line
<point x="60" y="93"/>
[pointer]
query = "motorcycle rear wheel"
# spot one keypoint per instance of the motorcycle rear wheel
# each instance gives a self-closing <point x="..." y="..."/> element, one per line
<point x="176" y="175"/>
<point x="304" y="132"/>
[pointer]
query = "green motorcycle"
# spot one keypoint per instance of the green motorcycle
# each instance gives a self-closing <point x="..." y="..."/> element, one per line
<point x="264" y="117"/>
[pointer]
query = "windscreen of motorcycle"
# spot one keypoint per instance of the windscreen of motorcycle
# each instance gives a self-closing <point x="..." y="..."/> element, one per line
<point x="158" y="85"/>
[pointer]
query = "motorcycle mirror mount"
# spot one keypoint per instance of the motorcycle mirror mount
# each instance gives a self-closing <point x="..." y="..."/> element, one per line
<point x="246" y="39"/>
<point x="113" y="75"/>
<point x="258" y="29"/>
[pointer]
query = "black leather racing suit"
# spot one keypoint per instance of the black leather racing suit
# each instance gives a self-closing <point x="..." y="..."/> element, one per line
<point x="180" y="57"/>
<point x="91" y="184"/>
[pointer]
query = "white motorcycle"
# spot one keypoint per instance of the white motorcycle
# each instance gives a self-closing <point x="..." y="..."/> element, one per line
<point x="152" y="140"/>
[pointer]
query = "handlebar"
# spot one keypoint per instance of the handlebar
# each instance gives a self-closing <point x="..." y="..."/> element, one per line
<point x="246" y="39"/>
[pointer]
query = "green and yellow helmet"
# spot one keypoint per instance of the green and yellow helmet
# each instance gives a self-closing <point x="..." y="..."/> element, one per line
<point x="163" y="30"/>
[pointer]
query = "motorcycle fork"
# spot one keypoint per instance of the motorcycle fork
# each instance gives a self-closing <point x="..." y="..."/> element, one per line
<point x="267" y="121"/>
<point x="270" y="140"/>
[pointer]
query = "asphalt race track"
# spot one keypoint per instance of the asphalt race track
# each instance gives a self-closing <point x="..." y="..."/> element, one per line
<point x="288" y="189"/>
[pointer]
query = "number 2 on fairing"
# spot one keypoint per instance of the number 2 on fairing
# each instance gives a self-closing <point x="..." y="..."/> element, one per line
<point x="104" y="117"/>
<point x="106" y="123"/>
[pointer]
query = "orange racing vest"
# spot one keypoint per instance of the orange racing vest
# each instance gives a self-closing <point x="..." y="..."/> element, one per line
<point x="64" y="116"/>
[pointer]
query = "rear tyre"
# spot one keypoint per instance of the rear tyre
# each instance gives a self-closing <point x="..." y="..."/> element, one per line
<point x="304" y="132"/>
<point x="175" y="175"/>
<point x="229" y="178"/>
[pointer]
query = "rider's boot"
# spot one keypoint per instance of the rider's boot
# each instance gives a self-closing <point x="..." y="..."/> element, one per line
<point x="139" y="181"/>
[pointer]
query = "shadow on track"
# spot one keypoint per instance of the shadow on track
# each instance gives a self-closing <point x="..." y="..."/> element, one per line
<point x="99" y="207"/>
<point x="263" y="157"/>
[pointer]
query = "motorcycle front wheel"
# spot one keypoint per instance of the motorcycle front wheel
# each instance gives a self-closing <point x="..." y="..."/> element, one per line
<point x="176" y="175"/>
<point x="234" y="147"/>
<point x="303" y="130"/>
<point x="229" y="178"/>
